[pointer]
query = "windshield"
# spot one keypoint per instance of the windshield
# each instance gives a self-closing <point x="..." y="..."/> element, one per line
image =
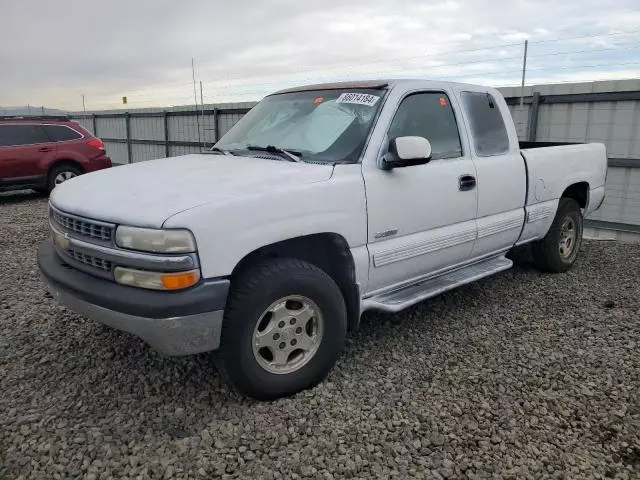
<point x="329" y="126"/>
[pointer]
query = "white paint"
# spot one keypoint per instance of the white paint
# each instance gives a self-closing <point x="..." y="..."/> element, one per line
<point x="361" y="261"/>
<point x="498" y="232"/>
<point x="559" y="167"/>
<point x="596" y="197"/>
<point x="541" y="211"/>
<point x="233" y="226"/>
<point x="434" y="219"/>
<point x="145" y="194"/>
<point x="539" y="219"/>
<point x="410" y="148"/>
<point x="417" y="245"/>
<point x="539" y="190"/>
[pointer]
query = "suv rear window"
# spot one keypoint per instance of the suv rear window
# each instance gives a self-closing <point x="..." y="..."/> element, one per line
<point x="60" y="133"/>
<point x="18" y="134"/>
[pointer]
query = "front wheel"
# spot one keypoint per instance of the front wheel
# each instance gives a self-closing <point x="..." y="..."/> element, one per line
<point x="558" y="250"/>
<point x="61" y="174"/>
<point x="284" y="326"/>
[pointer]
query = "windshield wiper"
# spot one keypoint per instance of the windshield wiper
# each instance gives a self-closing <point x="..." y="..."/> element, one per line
<point x="216" y="150"/>
<point x="290" y="154"/>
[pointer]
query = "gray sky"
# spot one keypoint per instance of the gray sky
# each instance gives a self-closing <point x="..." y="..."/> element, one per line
<point x="54" y="51"/>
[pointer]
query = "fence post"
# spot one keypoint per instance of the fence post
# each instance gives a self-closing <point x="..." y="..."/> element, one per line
<point x="533" y="117"/>
<point x="216" y="125"/>
<point x="95" y="124"/>
<point x="127" y="120"/>
<point x="165" y="119"/>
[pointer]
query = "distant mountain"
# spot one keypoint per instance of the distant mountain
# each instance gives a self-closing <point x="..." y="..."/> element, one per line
<point x="33" y="111"/>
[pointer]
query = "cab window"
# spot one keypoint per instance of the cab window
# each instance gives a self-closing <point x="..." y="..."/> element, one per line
<point x="429" y="115"/>
<point x="487" y="125"/>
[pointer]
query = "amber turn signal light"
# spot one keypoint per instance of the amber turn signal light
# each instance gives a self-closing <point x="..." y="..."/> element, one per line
<point x="175" y="281"/>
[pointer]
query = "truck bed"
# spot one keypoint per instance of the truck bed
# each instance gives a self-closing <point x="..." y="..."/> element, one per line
<point x="553" y="165"/>
<point x="530" y="145"/>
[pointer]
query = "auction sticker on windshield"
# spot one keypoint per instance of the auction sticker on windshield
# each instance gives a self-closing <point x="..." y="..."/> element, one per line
<point x="358" y="98"/>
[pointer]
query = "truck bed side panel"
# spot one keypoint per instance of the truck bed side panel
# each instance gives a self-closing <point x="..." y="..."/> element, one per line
<point x="550" y="171"/>
<point x="553" y="169"/>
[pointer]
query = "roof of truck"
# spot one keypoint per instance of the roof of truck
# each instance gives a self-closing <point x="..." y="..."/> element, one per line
<point x="372" y="84"/>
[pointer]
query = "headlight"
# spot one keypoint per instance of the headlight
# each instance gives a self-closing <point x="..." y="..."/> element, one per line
<point x="156" y="280"/>
<point x="157" y="241"/>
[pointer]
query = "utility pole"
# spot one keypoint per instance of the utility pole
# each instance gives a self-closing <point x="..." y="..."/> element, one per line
<point x="29" y="108"/>
<point x="524" y="72"/>
<point x="202" y="110"/>
<point x="42" y="107"/>
<point x="84" y="109"/>
<point x="195" y="100"/>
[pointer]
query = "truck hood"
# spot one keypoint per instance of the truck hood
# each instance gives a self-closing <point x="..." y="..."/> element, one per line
<point x="145" y="194"/>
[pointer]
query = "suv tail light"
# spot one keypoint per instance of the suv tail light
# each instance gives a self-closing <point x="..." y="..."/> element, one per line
<point x="96" y="143"/>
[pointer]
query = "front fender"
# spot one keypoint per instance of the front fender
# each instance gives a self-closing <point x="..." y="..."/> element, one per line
<point x="226" y="232"/>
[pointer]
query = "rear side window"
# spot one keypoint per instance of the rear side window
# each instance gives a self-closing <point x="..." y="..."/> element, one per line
<point x="487" y="125"/>
<point x="428" y="115"/>
<point x="60" y="133"/>
<point x="22" y="134"/>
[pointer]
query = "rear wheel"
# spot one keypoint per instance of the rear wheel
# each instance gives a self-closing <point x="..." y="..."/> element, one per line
<point x="61" y="174"/>
<point x="558" y="250"/>
<point x="284" y="326"/>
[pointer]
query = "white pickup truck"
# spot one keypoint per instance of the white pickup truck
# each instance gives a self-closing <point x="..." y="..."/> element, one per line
<point x="321" y="203"/>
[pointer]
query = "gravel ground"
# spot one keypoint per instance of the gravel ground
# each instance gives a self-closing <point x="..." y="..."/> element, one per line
<point x="522" y="375"/>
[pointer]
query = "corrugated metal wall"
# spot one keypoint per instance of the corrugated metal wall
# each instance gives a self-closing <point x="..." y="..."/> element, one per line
<point x="622" y="201"/>
<point x="615" y="123"/>
<point x="147" y="129"/>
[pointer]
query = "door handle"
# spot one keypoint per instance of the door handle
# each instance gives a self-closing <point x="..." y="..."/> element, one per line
<point x="45" y="149"/>
<point x="466" y="182"/>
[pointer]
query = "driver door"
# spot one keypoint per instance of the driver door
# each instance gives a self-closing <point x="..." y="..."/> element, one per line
<point x="421" y="218"/>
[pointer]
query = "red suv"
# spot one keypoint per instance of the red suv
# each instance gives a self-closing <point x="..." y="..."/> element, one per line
<point x="42" y="152"/>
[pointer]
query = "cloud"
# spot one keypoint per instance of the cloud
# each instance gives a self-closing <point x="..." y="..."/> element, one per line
<point x="55" y="51"/>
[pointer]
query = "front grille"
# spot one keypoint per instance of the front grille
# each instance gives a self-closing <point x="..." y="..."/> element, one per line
<point x="89" y="260"/>
<point x="84" y="227"/>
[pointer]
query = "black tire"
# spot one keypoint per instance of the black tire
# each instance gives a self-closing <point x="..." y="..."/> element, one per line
<point x="547" y="254"/>
<point x="251" y="295"/>
<point x="61" y="169"/>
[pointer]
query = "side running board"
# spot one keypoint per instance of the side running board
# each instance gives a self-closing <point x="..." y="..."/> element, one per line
<point x="408" y="295"/>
